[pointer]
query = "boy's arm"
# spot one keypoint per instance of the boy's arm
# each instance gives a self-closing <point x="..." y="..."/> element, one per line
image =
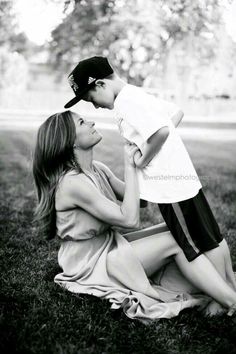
<point x="151" y="147"/>
<point x="176" y="118"/>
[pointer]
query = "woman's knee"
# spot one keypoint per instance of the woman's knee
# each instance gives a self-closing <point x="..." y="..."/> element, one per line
<point x="163" y="245"/>
<point x="173" y="248"/>
<point x="168" y="244"/>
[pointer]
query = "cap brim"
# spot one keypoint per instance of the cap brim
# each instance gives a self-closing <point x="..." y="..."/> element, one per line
<point x="79" y="97"/>
<point x="73" y="101"/>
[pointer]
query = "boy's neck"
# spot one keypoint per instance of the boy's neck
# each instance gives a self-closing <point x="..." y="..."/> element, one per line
<point x="118" y="85"/>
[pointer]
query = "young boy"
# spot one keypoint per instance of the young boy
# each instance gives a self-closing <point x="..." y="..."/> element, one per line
<point x="165" y="172"/>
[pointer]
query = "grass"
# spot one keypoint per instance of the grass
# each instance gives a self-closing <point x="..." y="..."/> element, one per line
<point x="37" y="316"/>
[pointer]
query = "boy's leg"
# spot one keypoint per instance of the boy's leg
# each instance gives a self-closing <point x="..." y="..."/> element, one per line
<point x="223" y="246"/>
<point x="204" y="276"/>
<point x="228" y="263"/>
<point x="159" y="249"/>
<point x="206" y="234"/>
<point x="216" y="256"/>
<point x="195" y="229"/>
<point x="201" y="222"/>
<point x="176" y="223"/>
<point x="221" y="259"/>
<point x="200" y="227"/>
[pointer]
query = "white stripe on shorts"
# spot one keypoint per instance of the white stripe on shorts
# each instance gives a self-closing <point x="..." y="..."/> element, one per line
<point x="180" y="217"/>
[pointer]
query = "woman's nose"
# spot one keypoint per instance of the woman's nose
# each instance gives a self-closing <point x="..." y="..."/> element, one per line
<point x="92" y="123"/>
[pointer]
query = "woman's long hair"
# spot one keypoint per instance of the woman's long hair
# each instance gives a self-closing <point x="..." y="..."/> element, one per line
<point x="53" y="157"/>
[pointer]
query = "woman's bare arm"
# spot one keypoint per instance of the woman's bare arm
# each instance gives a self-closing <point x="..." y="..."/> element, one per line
<point x="117" y="184"/>
<point x="89" y="198"/>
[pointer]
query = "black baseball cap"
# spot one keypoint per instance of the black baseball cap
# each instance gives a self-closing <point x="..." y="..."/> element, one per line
<point x="84" y="76"/>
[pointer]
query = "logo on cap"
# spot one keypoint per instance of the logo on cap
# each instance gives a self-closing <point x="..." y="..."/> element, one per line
<point x="90" y="80"/>
<point x="72" y="83"/>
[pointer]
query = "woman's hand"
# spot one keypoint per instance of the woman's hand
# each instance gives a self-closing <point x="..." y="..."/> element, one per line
<point x="130" y="151"/>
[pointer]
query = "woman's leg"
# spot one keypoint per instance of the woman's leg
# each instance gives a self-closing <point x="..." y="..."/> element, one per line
<point x="156" y="250"/>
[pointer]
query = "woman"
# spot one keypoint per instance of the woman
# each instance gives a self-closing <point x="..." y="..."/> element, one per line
<point x="78" y="202"/>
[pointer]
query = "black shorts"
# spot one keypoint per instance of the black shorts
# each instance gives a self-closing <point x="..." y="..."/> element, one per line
<point x="193" y="225"/>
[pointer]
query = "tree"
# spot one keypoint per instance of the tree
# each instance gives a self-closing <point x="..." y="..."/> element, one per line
<point x="10" y="37"/>
<point x="14" y="47"/>
<point x="137" y="34"/>
<point x="7" y="22"/>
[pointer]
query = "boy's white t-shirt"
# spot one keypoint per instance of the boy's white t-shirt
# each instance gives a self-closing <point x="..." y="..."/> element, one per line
<point x="170" y="176"/>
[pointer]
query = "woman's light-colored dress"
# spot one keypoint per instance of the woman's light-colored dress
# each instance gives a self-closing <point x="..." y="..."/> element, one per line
<point x="97" y="260"/>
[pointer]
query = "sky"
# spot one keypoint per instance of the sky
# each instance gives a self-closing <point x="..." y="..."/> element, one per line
<point x="37" y="18"/>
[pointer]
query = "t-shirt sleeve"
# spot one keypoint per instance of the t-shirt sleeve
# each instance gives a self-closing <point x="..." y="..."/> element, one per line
<point x="146" y="117"/>
<point x="169" y="108"/>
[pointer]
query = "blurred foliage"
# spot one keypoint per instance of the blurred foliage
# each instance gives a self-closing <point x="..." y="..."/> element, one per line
<point x="15" y="49"/>
<point x="7" y="22"/>
<point x="10" y="37"/>
<point x="136" y="34"/>
<point x="13" y="70"/>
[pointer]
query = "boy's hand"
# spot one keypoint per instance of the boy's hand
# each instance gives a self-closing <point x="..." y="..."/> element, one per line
<point x="130" y="151"/>
<point x="138" y="159"/>
<point x="137" y="155"/>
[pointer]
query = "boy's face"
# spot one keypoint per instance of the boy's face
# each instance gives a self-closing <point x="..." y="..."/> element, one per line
<point x="101" y="96"/>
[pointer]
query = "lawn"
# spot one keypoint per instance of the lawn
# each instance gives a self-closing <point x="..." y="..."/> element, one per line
<point x="37" y="316"/>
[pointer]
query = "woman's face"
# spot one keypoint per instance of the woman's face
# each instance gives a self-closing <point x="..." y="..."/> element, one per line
<point x="86" y="134"/>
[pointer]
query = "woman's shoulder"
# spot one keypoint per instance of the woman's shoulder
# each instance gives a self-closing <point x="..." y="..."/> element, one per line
<point x="70" y="184"/>
<point x="68" y="179"/>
